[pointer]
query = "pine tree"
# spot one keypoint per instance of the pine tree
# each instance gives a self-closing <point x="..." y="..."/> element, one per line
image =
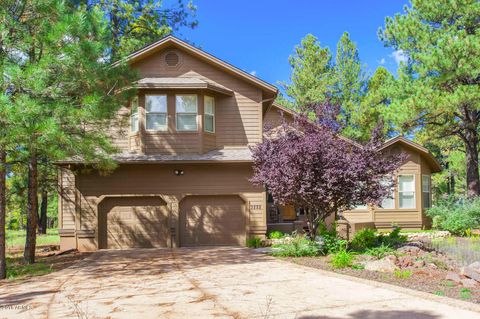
<point x="438" y="89"/>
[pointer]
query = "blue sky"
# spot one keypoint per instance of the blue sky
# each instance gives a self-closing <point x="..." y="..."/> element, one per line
<point x="258" y="36"/>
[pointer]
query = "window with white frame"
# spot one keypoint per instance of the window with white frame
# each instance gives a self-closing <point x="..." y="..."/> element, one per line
<point x="156" y="112"/>
<point x="209" y="116"/>
<point x="426" y="191"/>
<point x="406" y="191"/>
<point x="389" y="201"/>
<point x="134" y="115"/>
<point x="361" y="207"/>
<point x="186" y="107"/>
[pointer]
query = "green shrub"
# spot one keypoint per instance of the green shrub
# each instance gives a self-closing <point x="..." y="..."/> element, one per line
<point x="364" y="239"/>
<point x="299" y="246"/>
<point x="393" y="239"/>
<point x="342" y="259"/>
<point x="254" y="242"/>
<point x="402" y="274"/>
<point x="380" y="251"/>
<point x="275" y="234"/>
<point x="329" y="242"/>
<point x="456" y="216"/>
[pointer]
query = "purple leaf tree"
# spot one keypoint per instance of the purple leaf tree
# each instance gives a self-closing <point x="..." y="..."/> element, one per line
<point x="308" y="164"/>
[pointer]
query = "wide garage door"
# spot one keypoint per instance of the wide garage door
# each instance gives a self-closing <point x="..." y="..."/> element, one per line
<point x="212" y="221"/>
<point x="127" y="222"/>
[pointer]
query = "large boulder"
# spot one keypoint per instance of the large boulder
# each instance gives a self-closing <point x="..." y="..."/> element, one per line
<point x="469" y="283"/>
<point x="386" y="264"/>
<point x="475" y="266"/>
<point x="470" y="273"/>
<point x="452" y="276"/>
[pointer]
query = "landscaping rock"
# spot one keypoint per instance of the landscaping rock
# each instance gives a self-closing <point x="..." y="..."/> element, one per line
<point x="410" y="250"/>
<point x="432" y="266"/>
<point x="405" y="261"/>
<point x="419" y="263"/>
<point x="452" y="276"/>
<point x="475" y="266"/>
<point x="469" y="283"/>
<point x="386" y="264"/>
<point x="470" y="273"/>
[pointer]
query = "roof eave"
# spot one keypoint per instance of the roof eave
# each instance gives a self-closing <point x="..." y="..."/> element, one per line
<point x="171" y="39"/>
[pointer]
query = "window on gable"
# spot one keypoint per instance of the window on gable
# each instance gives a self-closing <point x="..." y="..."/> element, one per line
<point x="426" y="191"/>
<point x="156" y="112"/>
<point x="209" y="116"/>
<point x="406" y="191"/>
<point x="134" y="115"/>
<point x="186" y="112"/>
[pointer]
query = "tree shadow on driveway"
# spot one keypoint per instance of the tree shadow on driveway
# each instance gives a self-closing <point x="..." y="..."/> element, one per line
<point x="383" y="314"/>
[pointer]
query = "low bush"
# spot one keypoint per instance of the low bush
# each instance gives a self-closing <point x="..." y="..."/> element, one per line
<point x="380" y="251"/>
<point x="254" y="242"/>
<point x="329" y="241"/>
<point x="275" y="234"/>
<point x="393" y="239"/>
<point x="364" y="239"/>
<point x="299" y="246"/>
<point x="403" y="274"/>
<point x="342" y="259"/>
<point x="456" y="216"/>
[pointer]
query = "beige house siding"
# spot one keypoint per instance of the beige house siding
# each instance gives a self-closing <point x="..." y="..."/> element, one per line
<point x="160" y="180"/>
<point x="413" y="218"/>
<point x="238" y="117"/>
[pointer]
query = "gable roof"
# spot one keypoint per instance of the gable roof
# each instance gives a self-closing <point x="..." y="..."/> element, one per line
<point x="432" y="161"/>
<point x="172" y="40"/>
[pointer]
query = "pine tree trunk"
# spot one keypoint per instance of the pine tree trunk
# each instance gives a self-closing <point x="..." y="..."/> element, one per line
<point x="32" y="209"/>
<point x="3" y="263"/>
<point x="42" y="220"/>
<point x="471" y="150"/>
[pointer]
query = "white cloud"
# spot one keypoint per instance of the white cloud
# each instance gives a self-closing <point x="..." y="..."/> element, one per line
<point x="254" y="73"/>
<point x="382" y="61"/>
<point x="399" y="56"/>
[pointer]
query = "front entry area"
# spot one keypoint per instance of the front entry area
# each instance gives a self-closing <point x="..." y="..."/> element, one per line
<point x="212" y="221"/>
<point x="128" y="222"/>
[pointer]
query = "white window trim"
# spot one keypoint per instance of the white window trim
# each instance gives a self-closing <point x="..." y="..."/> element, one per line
<point x="132" y="114"/>
<point x="414" y="191"/>
<point x="205" y="114"/>
<point x="166" y="113"/>
<point x="393" y="197"/>
<point x="185" y="113"/>
<point x="429" y="177"/>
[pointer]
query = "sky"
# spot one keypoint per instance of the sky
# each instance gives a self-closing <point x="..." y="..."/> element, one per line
<point x="258" y="36"/>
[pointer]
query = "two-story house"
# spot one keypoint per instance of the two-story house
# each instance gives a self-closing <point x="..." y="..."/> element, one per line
<point x="184" y="168"/>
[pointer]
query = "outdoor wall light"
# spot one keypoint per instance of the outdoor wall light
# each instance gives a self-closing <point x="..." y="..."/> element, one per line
<point x="178" y="172"/>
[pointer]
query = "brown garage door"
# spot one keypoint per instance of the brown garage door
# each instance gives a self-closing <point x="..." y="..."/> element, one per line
<point x="128" y="222"/>
<point x="212" y="221"/>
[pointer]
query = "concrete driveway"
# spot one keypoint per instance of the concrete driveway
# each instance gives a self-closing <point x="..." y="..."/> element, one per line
<point x="212" y="283"/>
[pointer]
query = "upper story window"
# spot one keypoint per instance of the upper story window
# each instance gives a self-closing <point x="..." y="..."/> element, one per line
<point x="156" y="112"/>
<point x="406" y="191"/>
<point x="134" y="115"/>
<point x="426" y="191"/>
<point x="186" y="107"/>
<point x="209" y="116"/>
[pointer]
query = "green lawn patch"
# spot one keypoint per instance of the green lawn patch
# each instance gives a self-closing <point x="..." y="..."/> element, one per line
<point x="16" y="238"/>
<point x="17" y="268"/>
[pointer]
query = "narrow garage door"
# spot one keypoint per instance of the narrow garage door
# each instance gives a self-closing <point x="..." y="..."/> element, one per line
<point x="212" y="221"/>
<point x="128" y="222"/>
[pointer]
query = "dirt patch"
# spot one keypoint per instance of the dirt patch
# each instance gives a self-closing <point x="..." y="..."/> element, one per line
<point x="431" y="280"/>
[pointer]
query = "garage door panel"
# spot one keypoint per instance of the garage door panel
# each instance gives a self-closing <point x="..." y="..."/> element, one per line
<point x="134" y="222"/>
<point x="212" y="220"/>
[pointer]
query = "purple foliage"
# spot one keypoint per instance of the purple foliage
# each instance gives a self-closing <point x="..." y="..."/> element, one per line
<point x="311" y="166"/>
